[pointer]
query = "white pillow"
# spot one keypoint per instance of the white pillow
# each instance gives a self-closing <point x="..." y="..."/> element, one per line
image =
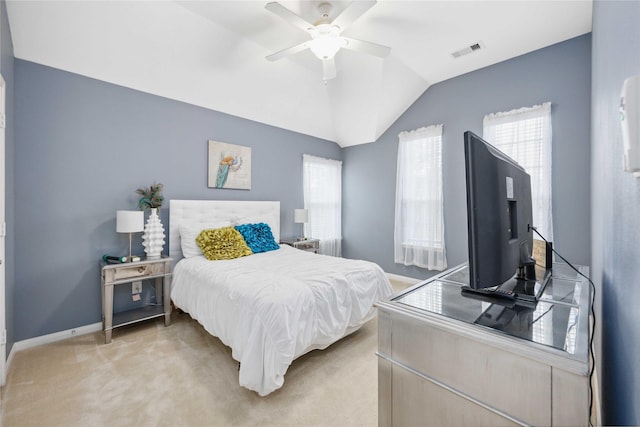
<point x="189" y="232"/>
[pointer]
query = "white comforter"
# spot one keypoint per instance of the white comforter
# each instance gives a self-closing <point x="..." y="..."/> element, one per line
<point x="273" y="307"/>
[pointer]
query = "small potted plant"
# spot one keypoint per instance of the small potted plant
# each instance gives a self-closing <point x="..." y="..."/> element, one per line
<point x="153" y="237"/>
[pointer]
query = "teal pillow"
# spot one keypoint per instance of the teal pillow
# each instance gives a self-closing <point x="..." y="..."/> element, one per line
<point x="258" y="237"/>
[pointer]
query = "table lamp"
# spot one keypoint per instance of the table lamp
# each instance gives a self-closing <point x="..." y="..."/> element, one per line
<point x="129" y="222"/>
<point x="301" y="216"/>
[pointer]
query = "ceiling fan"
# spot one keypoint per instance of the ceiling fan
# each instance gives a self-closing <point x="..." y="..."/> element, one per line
<point x="326" y="39"/>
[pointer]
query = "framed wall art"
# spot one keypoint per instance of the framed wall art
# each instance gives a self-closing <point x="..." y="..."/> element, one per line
<point x="229" y="166"/>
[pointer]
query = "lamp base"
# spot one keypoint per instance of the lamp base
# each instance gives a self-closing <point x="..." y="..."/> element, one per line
<point x="131" y="258"/>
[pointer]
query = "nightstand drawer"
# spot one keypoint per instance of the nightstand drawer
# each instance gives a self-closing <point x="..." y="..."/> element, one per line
<point x="124" y="271"/>
<point x="309" y="245"/>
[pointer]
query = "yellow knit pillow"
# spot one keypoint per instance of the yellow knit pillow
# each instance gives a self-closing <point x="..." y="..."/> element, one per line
<point x="222" y="243"/>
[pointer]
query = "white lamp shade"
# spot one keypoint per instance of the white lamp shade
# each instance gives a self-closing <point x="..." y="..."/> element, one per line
<point x="129" y="221"/>
<point x="300" y="216"/>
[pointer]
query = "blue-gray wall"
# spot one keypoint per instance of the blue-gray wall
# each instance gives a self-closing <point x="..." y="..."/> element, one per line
<point x="559" y="74"/>
<point x="6" y="68"/>
<point x="84" y="147"/>
<point x="616" y="206"/>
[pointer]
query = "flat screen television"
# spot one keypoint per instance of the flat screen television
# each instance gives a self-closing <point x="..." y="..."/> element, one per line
<point x="499" y="220"/>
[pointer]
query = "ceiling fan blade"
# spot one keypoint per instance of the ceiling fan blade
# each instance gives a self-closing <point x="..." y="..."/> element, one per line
<point x="328" y="69"/>
<point x="353" y="11"/>
<point x="288" y="16"/>
<point x="366" y="47"/>
<point x="288" y="51"/>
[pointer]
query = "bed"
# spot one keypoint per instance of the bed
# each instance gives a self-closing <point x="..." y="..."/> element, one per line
<point x="271" y="307"/>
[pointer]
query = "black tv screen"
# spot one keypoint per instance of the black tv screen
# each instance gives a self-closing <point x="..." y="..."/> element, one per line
<point x="499" y="215"/>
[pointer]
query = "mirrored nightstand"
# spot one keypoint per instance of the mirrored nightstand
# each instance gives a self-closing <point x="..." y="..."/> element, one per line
<point x="127" y="273"/>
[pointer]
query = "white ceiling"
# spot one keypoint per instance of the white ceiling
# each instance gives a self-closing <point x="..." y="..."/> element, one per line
<point x="212" y="53"/>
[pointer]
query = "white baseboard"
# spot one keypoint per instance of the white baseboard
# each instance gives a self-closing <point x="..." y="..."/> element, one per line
<point x="56" y="336"/>
<point x="47" y="339"/>
<point x="403" y="279"/>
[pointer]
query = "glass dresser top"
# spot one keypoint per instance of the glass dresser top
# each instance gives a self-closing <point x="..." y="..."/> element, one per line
<point x="555" y="321"/>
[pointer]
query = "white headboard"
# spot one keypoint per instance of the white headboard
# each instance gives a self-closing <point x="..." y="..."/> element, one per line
<point x="207" y="211"/>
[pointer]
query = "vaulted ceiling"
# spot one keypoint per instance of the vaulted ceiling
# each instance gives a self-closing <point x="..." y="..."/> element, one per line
<point x="212" y="53"/>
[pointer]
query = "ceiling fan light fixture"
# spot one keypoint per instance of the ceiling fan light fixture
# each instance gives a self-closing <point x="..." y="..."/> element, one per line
<point x="325" y="46"/>
<point x="326" y="39"/>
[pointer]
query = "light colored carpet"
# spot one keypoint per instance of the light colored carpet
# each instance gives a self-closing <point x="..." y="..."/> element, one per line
<point x="182" y="376"/>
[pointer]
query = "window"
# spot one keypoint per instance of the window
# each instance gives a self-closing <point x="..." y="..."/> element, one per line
<point x="419" y="221"/>
<point x="525" y="136"/>
<point x="322" y="183"/>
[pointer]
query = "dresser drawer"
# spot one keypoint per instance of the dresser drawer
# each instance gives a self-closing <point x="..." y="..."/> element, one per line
<point x="490" y="374"/>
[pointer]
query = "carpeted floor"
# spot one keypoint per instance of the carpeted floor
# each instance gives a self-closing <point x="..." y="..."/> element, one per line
<point x="182" y="376"/>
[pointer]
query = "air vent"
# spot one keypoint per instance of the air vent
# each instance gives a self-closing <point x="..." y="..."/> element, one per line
<point x="467" y="50"/>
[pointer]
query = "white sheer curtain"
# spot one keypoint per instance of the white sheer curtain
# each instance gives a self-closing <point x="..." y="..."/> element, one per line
<point x="419" y="221"/>
<point x="525" y="136"/>
<point x="322" y="183"/>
